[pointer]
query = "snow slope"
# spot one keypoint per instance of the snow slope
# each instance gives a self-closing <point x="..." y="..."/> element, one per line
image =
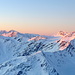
<point x="33" y="54"/>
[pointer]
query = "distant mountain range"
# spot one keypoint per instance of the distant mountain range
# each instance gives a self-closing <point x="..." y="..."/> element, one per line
<point x="34" y="54"/>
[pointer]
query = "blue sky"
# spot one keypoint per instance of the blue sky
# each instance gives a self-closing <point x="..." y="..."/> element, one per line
<point x="37" y="16"/>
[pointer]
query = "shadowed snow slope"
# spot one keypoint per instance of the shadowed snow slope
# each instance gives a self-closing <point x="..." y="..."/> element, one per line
<point x="33" y="54"/>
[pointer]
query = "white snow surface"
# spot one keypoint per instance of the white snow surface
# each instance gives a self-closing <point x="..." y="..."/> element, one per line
<point x="33" y="54"/>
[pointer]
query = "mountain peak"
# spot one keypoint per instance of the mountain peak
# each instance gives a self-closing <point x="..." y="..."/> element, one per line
<point x="37" y="38"/>
<point x="62" y="33"/>
<point x="12" y="31"/>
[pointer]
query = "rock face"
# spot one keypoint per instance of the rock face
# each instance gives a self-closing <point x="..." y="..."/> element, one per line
<point x="33" y="54"/>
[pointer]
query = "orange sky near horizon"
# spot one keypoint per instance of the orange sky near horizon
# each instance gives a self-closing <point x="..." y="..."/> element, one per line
<point x="26" y="29"/>
<point x="37" y="16"/>
<point x="34" y="29"/>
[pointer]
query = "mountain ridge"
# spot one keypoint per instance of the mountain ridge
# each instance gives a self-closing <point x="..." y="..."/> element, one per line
<point x="32" y="54"/>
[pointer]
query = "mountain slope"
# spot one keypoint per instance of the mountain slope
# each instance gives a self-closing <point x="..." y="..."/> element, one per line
<point x="32" y="54"/>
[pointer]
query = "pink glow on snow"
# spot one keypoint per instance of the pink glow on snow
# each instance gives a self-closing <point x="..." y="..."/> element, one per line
<point x="37" y="38"/>
<point x="11" y="34"/>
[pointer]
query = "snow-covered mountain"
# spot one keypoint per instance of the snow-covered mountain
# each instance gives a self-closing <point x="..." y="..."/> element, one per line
<point x="33" y="54"/>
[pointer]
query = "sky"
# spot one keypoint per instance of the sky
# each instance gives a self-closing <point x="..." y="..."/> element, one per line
<point x="37" y="16"/>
